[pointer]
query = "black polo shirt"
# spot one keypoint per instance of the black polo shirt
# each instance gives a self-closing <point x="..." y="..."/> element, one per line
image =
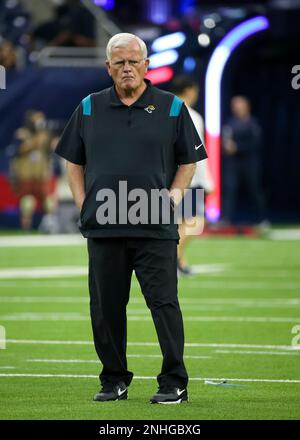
<point x="142" y="144"/>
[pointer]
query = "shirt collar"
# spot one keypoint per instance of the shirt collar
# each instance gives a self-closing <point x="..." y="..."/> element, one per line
<point x="143" y="101"/>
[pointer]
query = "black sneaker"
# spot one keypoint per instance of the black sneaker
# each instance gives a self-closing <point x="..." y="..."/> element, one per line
<point x="169" y="394"/>
<point x="111" y="391"/>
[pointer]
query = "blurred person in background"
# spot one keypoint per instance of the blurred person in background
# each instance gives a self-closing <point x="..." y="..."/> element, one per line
<point x="8" y="56"/>
<point x="241" y="144"/>
<point x="187" y="89"/>
<point x="31" y="167"/>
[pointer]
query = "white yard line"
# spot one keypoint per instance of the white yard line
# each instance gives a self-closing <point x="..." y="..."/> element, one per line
<point x="233" y="285"/>
<point x="44" y="299"/>
<point x="33" y="282"/>
<point x="44" y="272"/>
<point x="55" y="316"/>
<point x="76" y="239"/>
<point x="48" y="342"/>
<point x="245" y="302"/>
<point x="152" y="344"/>
<point x="284" y="234"/>
<point x="84" y="361"/>
<point x="27" y="283"/>
<point x="199" y="285"/>
<point x="209" y="268"/>
<point x="92" y="376"/>
<point x="257" y="319"/>
<point x="72" y="271"/>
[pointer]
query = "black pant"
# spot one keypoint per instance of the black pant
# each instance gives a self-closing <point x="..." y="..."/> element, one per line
<point x="111" y="262"/>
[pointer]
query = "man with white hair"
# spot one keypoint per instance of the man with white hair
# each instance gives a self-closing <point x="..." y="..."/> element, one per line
<point x="187" y="89"/>
<point x="135" y="134"/>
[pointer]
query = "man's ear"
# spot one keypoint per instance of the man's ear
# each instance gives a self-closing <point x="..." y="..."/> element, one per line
<point x="147" y="62"/>
<point x="108" y="67"/>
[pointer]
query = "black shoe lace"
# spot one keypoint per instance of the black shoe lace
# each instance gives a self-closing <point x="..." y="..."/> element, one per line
<point x="108" y="387"/>
<point x="105" y="389"/>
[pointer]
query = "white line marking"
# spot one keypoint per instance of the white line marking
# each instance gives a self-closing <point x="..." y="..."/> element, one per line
<point x="284" y="234"/>
<point x="208" y="268"/>
<point x="244" y="301"/>
<point x="77" y="239"/>
<point x="44" y="299"/>
<point x="193" y="303"/>
<point x="48" y="342"/>
<point x="87" y="376"/>
<point x="74" y="361"/>
<point x="27" y="274"/>
<point x="65" y="361"/>
<point x="26" y="283"/>
<point x="170" y="403"/>
<point x="28" y="316"/>
<point x="74" y="271"/>
<point x="249" y="380"/>
<point x="258" y="319"/>
<point x="153" y="344"/>
<point x="243" y="273"/>
<point x="120" y="392"/>
<point x="289" y="353"/>
<point x="233" y="285"/>
<point x="73" y="316"/>
<point x="44" y="272"/>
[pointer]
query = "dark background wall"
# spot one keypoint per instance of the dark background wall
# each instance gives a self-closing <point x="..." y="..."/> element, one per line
<point x="260" y="68"/>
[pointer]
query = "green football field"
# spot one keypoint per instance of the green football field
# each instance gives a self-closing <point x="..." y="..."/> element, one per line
<point x="241" y="313"/>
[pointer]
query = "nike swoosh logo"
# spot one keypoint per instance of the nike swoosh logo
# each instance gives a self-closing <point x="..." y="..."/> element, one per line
<point x="180" y="392"/>
<point x="197" y="147"/>
<point x="120" y="392"/>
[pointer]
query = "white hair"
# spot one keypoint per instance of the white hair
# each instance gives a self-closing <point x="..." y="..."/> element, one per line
<point x="122" y="40"/>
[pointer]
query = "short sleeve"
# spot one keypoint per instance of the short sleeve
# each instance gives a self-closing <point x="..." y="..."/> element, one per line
<point x="71" y="145"/>
<point x="189" y="147"/>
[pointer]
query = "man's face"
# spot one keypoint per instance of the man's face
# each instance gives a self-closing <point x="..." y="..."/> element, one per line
<point x="127" y="67"/>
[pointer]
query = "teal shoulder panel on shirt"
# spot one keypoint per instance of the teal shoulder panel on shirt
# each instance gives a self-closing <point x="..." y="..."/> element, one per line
<point x="87" y="106"/>
<point x="176" y="106"/>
